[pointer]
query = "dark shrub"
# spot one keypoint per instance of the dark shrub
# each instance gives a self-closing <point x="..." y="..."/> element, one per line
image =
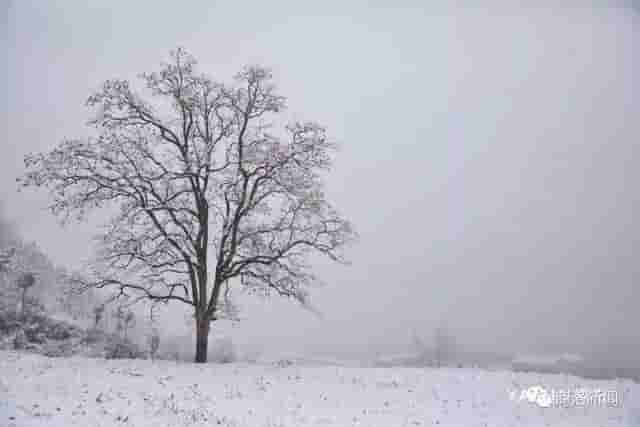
<point x="35" y="335"/>
<point x="93" y="336"/>
<point x="120" y="349"/>
<point x="59" y="332"/>
<point x="63" y="349"/>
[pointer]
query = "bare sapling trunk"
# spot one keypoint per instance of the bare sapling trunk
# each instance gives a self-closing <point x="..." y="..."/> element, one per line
<point x="23" y="306"/>
<point x="155" y="344"/>
<point x="202" y="338"/>
<point x="25" y="281"/>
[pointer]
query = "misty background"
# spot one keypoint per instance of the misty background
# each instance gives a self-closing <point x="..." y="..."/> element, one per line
<point x="488" y="158"/>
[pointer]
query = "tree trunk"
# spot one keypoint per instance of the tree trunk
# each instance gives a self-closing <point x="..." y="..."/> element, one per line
<point x="202" y="338"/>
<point x="24" y="298"/>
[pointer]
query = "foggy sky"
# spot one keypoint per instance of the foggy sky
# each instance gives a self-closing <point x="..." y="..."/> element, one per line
<point x="489" y="157"/>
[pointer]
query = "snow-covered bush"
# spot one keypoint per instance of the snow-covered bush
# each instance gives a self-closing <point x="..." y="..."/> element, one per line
<point x="175" y="348"/>
<point x="93" y="336"/>
<point x="283" y="363"/>
<point x="252" y="355"/>
<point x="122" y="349"/>
<point x="37" y="333"/>
<point x="222" y="351"/>
<point x="20" y="340"/>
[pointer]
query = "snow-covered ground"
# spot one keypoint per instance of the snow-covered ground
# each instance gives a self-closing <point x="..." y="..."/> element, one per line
<point x="41" y="391"/>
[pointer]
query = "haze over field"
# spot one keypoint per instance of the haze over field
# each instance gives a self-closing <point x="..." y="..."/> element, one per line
<point x="488" y="157"/>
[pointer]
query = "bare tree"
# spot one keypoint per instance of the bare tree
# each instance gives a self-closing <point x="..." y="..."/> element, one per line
<point x="444" y="346"/>
<point x="154" y="343"/>
<point x="119" y="315"/>
<point x="98" y="312"/>
<point x="424" y="353"/>
<point x="129" y="321"/>
<point x="210" y="190"/>
<point x="5" y="259"/>
<point x="24" y="282"/>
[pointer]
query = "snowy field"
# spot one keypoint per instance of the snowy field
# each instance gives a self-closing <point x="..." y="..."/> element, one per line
<point x="40" y="391"/>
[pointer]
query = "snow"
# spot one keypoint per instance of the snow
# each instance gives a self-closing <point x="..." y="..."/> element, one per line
<point x="40" y="391"/>
<point x="545" y="360"/>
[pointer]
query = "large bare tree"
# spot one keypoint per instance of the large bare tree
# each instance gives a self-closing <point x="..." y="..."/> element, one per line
<point x="210" y="189"/>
